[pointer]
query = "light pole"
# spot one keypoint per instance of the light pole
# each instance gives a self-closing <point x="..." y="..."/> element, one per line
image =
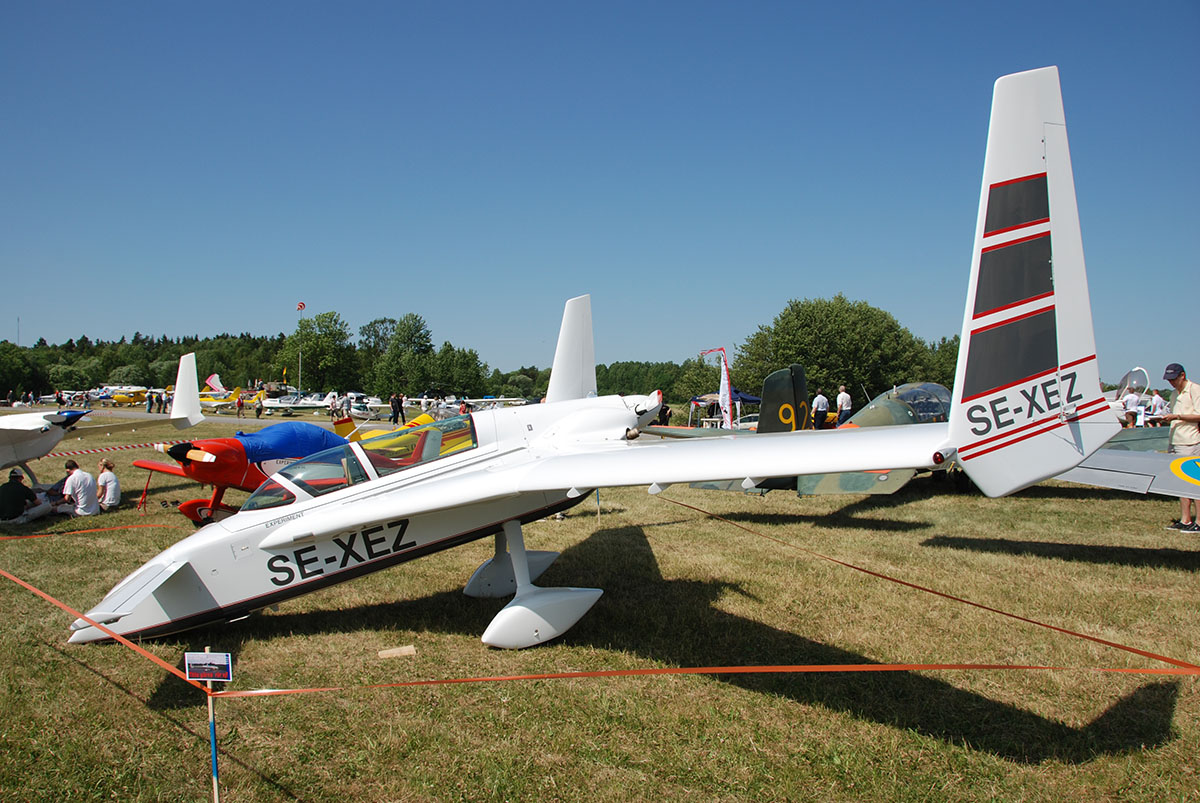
<point x="300" y="345"/>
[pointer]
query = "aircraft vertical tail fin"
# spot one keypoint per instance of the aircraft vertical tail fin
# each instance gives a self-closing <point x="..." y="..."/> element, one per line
<point x="785" y="401"/>
<point x="185" y="405"/>
<point x="1027" y="402"/>
<point x="346" y="427"/>
<point x="573" y="375"/>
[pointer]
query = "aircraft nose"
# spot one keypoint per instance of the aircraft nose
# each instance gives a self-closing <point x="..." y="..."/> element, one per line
<point x="178" y="451"/>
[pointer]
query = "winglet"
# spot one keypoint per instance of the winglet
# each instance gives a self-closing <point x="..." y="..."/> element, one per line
<point x="185" y="406"/>
<point x="573" y="375"/>
<point x="1027" y="402"/>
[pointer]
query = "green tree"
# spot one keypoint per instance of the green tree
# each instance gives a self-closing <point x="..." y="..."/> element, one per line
<point x="636" y="377"/>
<point x="459" y="371"/>
<point x="16" y="368"/>
<point x="65" y="376"/>
<point x="373" y="340"/>
<point x="128" y="375"/>
<point x="163" y="372"/>
<point x="323" y="341"/>
<point x="838" y="341"/>
<point x="696" y="378"/>
<point x="407" y="364"/>
<point x="942" y="360"/>
<point x="517" y="385"/>
<point x="374" y="337"/>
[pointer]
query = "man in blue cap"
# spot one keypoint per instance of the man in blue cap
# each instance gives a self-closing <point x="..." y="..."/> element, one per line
<point x="1184" y="419"/>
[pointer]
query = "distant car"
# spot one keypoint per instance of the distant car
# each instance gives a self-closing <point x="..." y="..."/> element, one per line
<point x="749" y="422"/>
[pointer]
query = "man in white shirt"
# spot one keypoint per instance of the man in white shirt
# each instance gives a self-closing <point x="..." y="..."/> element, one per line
<point x="79" y="492"/>
<point x="108" y="486"/>
<point x="843" y="405"/>
<point x="1158" y="409"/>
<point x="820" y="409"/>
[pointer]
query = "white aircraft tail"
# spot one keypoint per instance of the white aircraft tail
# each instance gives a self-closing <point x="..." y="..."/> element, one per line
<point x="1027" y="402"/>
<point x="573" y="375"/>
<point x="185" y="405"/>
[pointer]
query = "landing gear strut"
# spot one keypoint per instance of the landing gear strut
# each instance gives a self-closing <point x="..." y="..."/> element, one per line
<point x="535" y="614"/>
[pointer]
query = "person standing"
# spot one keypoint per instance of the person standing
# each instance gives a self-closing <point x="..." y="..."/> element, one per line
<point x="1158" y="409"/>
<point x="820" y="409"/>
<point x="79" y="492"/>
<point x="258" y="405"/>
<point x="403" y="417"/>
<point x="844" y="406"/>
<point x="108" y="487"/>
<point x="1130" y="403"/>
<point x="241" y="406"/>
<point x="394" y="401"/>
<point x="1184" y="419"/>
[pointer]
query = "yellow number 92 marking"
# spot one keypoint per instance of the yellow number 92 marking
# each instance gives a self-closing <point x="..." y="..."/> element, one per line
<point x="787" y="415"/>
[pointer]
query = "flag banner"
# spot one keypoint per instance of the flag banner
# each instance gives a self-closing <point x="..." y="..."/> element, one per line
<point x="725" y="394"/>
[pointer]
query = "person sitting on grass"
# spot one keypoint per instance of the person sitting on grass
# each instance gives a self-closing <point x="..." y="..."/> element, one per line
<point x="79" y="491"/>
<point x="19" y="504"/>
<point x="108" y="487"/>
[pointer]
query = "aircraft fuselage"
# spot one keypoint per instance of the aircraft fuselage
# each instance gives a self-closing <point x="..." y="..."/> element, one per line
<point x="259" y="558"/>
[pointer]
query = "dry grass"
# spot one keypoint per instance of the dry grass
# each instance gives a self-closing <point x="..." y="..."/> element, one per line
<point x="89" y="722"/>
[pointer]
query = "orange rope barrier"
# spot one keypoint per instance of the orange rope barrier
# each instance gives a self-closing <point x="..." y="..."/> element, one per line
<point x="702" y="670"/>
<point x="82" y="532"/>
<point x="1178" y="667"/>
<point x="174" y="670"/>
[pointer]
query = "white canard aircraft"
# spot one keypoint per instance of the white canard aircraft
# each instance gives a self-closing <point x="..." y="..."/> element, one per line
<point x="30" y="436"/>
<point x="289" y="405"/>
<point x="1026" y="407"/>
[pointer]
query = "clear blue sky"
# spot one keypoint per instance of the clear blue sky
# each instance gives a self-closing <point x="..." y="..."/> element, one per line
<point x="199" y="168"/>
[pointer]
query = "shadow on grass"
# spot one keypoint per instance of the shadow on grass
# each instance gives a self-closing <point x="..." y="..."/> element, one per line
<point x="850" y="516"/>
<point x="1082" y="493"/>
<point x="1162" y="558"/>
<point x="676" y="622"/>
<point x="192" y="701"/>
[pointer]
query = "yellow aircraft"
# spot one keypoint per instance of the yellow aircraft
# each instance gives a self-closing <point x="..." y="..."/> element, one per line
<point x="348" y="429"/>
<point x="130" y="397"/>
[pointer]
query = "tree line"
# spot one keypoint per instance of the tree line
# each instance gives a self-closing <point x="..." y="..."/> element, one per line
<point x="838" y="341"/>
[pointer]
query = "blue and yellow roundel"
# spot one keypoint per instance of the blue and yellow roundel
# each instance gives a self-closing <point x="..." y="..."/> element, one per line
<point x="1187" y="469"/>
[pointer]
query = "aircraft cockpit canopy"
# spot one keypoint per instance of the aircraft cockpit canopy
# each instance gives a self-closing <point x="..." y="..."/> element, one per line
<point x="914" y="403"/>
<point x="369" y="459"/>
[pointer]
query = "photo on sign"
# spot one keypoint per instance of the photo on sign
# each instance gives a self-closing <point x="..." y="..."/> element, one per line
<point x="208" y="666"/>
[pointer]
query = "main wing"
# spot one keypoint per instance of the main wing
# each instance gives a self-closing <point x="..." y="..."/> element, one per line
<point x="749" y="459"/>
<point x="631" y="463"/>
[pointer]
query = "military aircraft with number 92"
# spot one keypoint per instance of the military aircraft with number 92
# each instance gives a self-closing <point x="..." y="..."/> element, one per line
<point x="1026" y="406"/>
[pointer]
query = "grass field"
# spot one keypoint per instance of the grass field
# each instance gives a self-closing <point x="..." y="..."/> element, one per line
<point x="92" y="722"/>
